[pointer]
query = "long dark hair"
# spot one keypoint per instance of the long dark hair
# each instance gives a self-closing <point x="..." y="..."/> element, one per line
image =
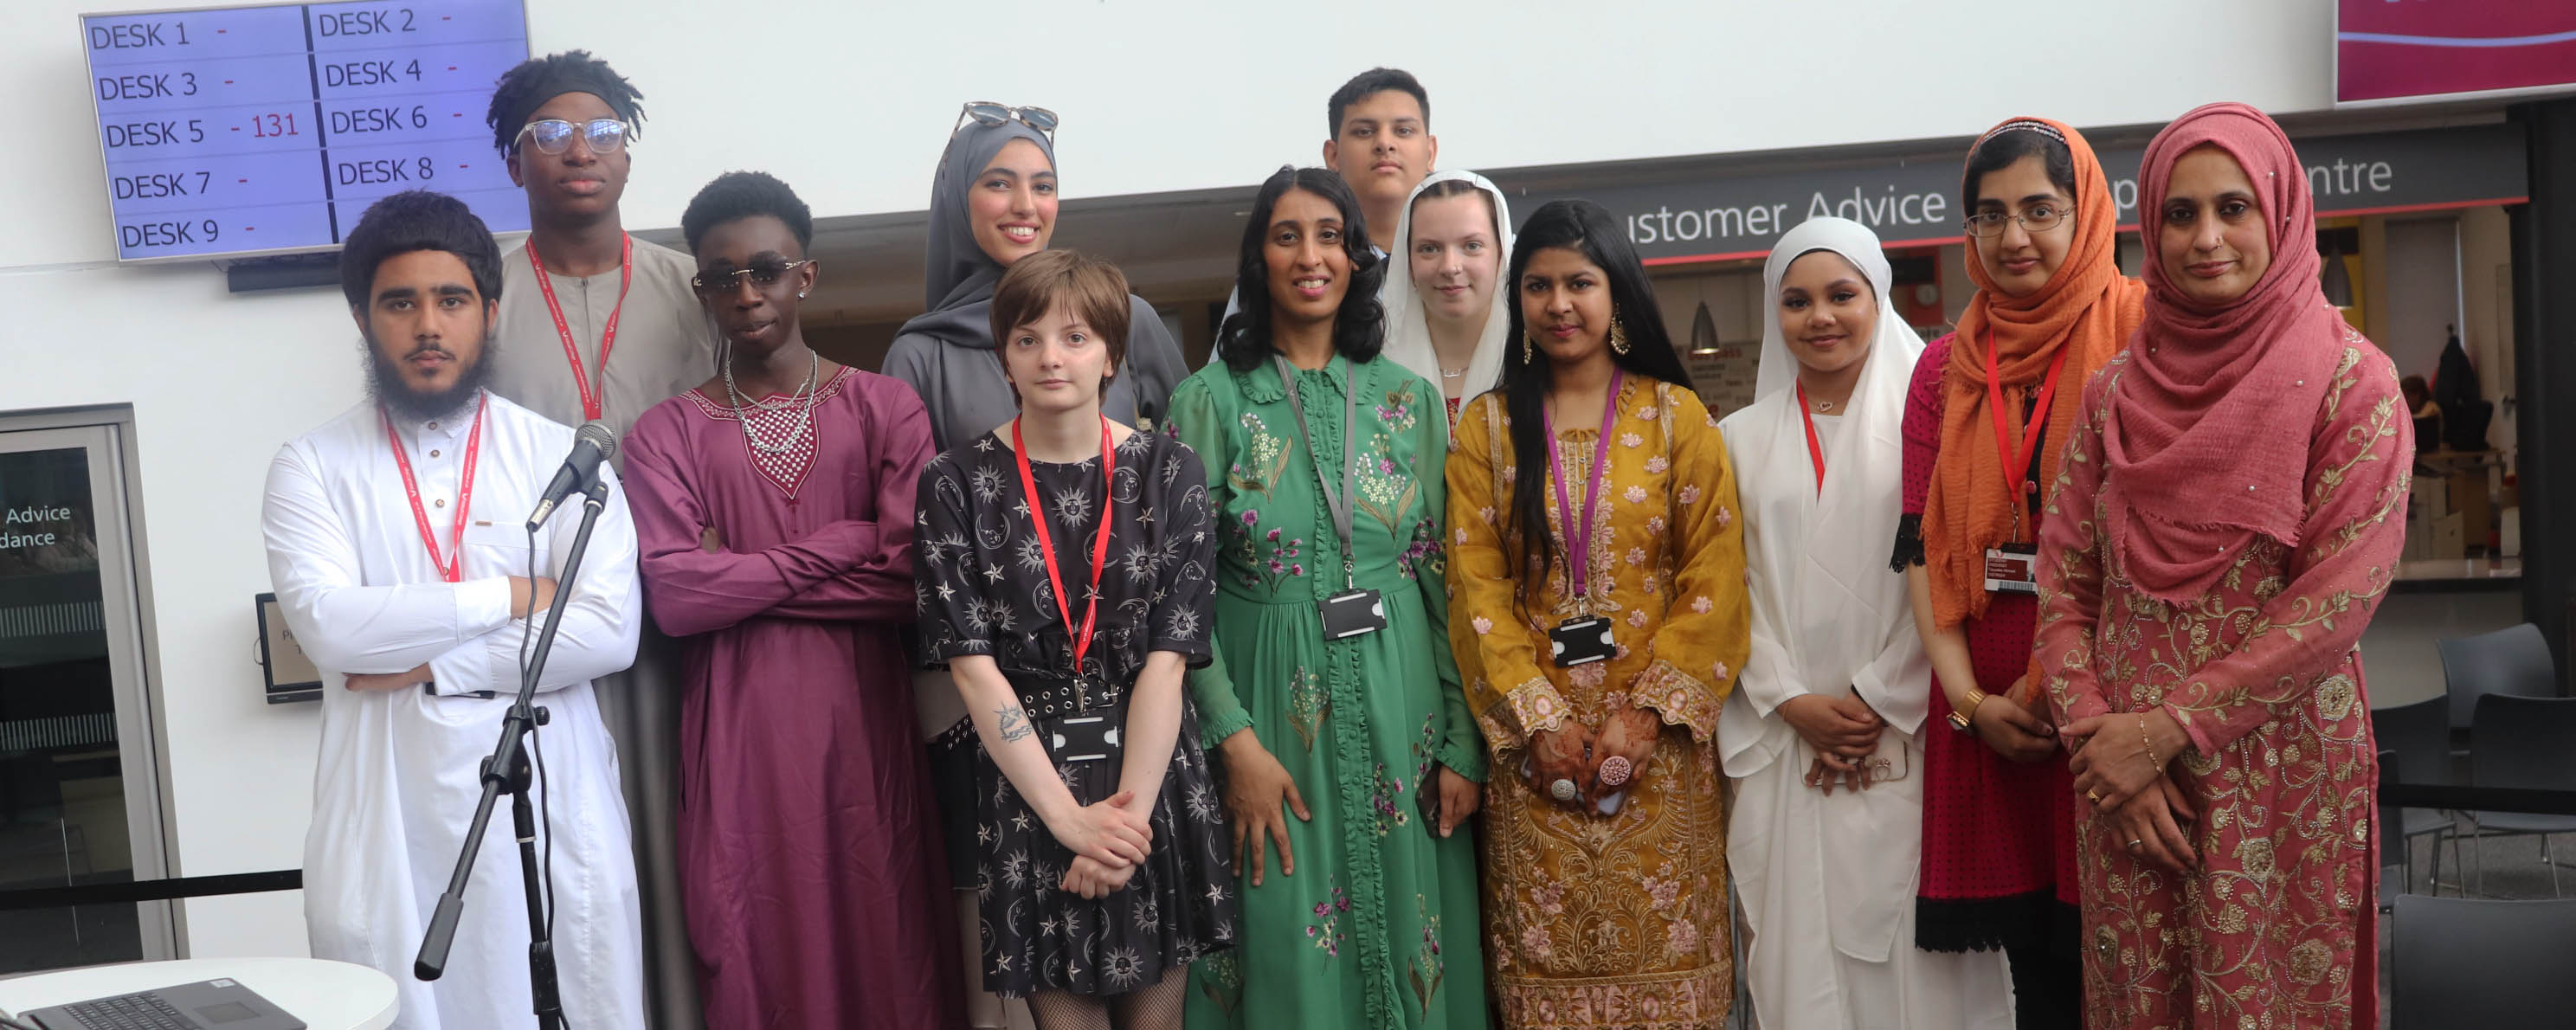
<point x="1587" y="228"/>
<point x="1359" y="328"/>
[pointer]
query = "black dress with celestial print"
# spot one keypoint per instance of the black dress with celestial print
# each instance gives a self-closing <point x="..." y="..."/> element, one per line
<point x="983" y="590"/>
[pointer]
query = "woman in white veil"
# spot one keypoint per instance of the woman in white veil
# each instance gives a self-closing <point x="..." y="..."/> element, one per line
<point x="1444" y="306"/>
<point x="1822" y="731"/>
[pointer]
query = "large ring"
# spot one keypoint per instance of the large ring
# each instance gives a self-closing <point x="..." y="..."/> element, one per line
<point x="1563" y="790"/>
<point x="1615" y="770"/>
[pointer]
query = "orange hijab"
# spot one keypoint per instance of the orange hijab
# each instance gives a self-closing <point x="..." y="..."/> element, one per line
<point x="2087" y="305"/>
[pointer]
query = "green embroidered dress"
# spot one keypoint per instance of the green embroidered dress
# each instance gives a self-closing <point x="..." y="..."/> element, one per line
<point x="1377" y="928"/>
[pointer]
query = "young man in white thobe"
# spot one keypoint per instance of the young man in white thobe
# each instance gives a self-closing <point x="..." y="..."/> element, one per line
<point x="397" y="549"/>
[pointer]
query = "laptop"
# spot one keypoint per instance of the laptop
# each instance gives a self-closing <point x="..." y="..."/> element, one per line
<point x="204" y="1005"/>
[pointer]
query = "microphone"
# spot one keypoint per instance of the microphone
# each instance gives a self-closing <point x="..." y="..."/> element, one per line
<point x="591" y="444"/>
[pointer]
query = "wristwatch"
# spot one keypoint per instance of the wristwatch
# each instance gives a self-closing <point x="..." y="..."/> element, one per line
<point x="1960" y="718"/>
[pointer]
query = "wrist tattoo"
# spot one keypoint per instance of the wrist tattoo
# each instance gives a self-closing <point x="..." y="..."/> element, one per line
<point x="1012" y="723"/>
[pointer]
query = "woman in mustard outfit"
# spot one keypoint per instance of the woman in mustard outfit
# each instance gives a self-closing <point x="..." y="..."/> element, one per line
<point x="1598" y="617"/>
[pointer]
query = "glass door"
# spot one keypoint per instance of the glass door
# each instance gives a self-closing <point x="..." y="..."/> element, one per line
<point x="79" y="797"/>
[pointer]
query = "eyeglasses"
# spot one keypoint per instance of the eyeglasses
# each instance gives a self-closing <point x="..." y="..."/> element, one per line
<point x="2038" y="218"/>
<point x="554" y="135"/>
<point x="764" y="277"/>
<point x="990" y="113"/>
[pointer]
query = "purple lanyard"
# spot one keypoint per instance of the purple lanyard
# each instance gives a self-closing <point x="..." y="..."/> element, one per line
<point x="1578" y="535"/>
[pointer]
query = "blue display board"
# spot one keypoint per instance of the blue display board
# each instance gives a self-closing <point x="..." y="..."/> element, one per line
<point x="255" y="130"/>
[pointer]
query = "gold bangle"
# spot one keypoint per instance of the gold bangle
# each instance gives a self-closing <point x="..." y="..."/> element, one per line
<point x="1960" y="718"/>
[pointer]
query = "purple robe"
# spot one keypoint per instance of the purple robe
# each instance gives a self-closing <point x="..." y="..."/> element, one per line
<point x="808" y="850"/>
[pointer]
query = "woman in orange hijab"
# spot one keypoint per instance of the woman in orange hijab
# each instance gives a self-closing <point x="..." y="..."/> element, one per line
<point x="1988" y="407"/>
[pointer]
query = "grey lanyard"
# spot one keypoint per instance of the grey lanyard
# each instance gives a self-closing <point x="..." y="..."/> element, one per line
<point x="1337" y="500"/>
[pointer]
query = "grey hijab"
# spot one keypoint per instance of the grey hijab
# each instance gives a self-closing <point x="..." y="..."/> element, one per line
<point x="960" y="275"/>
<point x="946" y="353"/>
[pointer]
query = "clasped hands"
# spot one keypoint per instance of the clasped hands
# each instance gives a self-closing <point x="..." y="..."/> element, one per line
<point x="1579" y="754"/>
<point x="1108" y="839"/>
<point x="2120" y="764"/>
<point x="1843" y="731"/>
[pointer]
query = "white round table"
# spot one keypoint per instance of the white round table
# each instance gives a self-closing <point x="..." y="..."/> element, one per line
<point x="325" y="995"/>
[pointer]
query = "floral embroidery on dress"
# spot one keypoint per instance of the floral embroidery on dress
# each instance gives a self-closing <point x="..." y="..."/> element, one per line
<point x="1423" y="553"/>
<point x="1280" y="565"/>
<point x="1263" y="463"/>
<point x="1385" y="814"/>
<point x="1326" y="930"/>
<point x="1425" y="748"/>
<point x="1308" y="704"/>
<point x="1427" y="968"/>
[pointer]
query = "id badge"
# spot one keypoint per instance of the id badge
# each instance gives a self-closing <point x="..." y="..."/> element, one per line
<point x="1352" y="613"/>
<point x="1085" y="738"/>
<point x="2012" y="569"/>
<point x="1582" y="641"/>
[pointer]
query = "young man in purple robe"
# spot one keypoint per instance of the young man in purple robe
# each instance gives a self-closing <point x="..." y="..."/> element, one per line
<point x="774" y="516"/>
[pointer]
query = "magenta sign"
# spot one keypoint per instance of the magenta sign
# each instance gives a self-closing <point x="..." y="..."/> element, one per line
<point x="2391" y="49"/>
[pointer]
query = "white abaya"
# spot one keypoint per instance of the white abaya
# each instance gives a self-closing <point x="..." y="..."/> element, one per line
<point x="1827" y="882"/>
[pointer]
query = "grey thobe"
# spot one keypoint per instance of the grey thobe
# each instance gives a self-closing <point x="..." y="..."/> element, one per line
<point x="664" y="346"/>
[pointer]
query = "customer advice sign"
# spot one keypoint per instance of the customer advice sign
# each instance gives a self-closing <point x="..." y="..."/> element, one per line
<point x="1917" y="202"/>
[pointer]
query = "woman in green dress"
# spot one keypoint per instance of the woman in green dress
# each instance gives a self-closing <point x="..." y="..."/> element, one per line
<point x="1350" y="761"/>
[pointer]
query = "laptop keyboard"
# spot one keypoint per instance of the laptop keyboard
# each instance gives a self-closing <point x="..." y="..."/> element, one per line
<point x="144" y="1011"/>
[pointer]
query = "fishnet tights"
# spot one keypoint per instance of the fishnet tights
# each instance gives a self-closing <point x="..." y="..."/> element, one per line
<point x="1152" y="1008"/>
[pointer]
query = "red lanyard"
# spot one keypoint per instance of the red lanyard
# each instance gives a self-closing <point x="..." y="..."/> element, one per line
<point x="607" y="334"/>
<point x="1046" y="544"/>
<point x="450" y="566"/>
<point x="2029" y="440"/>
<point x="1578" y="535"/>
<point x="1815" y="451"/>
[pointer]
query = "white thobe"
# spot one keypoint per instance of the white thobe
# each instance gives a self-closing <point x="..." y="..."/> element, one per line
<point x="1827" y="883"/>
<point x="396" y="780"/>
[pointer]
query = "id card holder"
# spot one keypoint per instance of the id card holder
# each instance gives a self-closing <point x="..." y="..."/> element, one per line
<point x="1081" y="739"/>
<point x="1582" y="641"/>
<point x="2012" y="569"/>
<point x="1351" y="613"/>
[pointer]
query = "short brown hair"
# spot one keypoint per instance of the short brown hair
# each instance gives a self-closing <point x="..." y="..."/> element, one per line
<point x="1096" y="290"/>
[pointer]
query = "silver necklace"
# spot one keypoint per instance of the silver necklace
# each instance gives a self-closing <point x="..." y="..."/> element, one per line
<point x="800" y="429"/>
<point x="1451" y="373"/>
<point x="1823" y="407"/>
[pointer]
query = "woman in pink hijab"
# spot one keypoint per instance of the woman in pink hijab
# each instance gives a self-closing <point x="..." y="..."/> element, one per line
<point x="2229" y="514"/>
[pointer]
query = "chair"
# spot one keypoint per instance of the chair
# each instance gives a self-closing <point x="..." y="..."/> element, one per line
<point x="2514" y="660"/>
<point x="2527" y="742"/>
<point x="2415" y="747"/>
<point x="2464" y="962"/>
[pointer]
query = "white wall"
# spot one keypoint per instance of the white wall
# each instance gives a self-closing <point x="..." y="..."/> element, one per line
<point x="852" y="103"/>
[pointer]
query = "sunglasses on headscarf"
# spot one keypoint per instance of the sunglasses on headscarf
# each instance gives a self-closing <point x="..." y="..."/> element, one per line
<point x="989" y="114"/>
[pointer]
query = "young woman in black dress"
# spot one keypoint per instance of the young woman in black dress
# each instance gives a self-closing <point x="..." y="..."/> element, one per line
<point x="1063" y="576"/>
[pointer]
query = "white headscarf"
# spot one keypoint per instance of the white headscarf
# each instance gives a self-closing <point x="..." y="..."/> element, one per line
<point x="1840" y="606"/>
<point x="1828" y="613"/>
<point x="1408" y="331"/>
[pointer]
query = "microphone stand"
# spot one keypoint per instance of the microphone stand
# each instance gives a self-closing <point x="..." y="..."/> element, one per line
<point x="507" y="769"/>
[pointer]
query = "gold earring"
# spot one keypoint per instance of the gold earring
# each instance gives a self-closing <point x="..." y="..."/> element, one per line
<point x="1527" y="345"/>
<point x="1618" y="336"/>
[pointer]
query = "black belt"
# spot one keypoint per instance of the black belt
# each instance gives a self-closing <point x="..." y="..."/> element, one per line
<point x="1056" y="695"/>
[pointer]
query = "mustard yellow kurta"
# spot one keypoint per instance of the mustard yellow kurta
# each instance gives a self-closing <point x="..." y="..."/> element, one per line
<point x="1606" y="920"/>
